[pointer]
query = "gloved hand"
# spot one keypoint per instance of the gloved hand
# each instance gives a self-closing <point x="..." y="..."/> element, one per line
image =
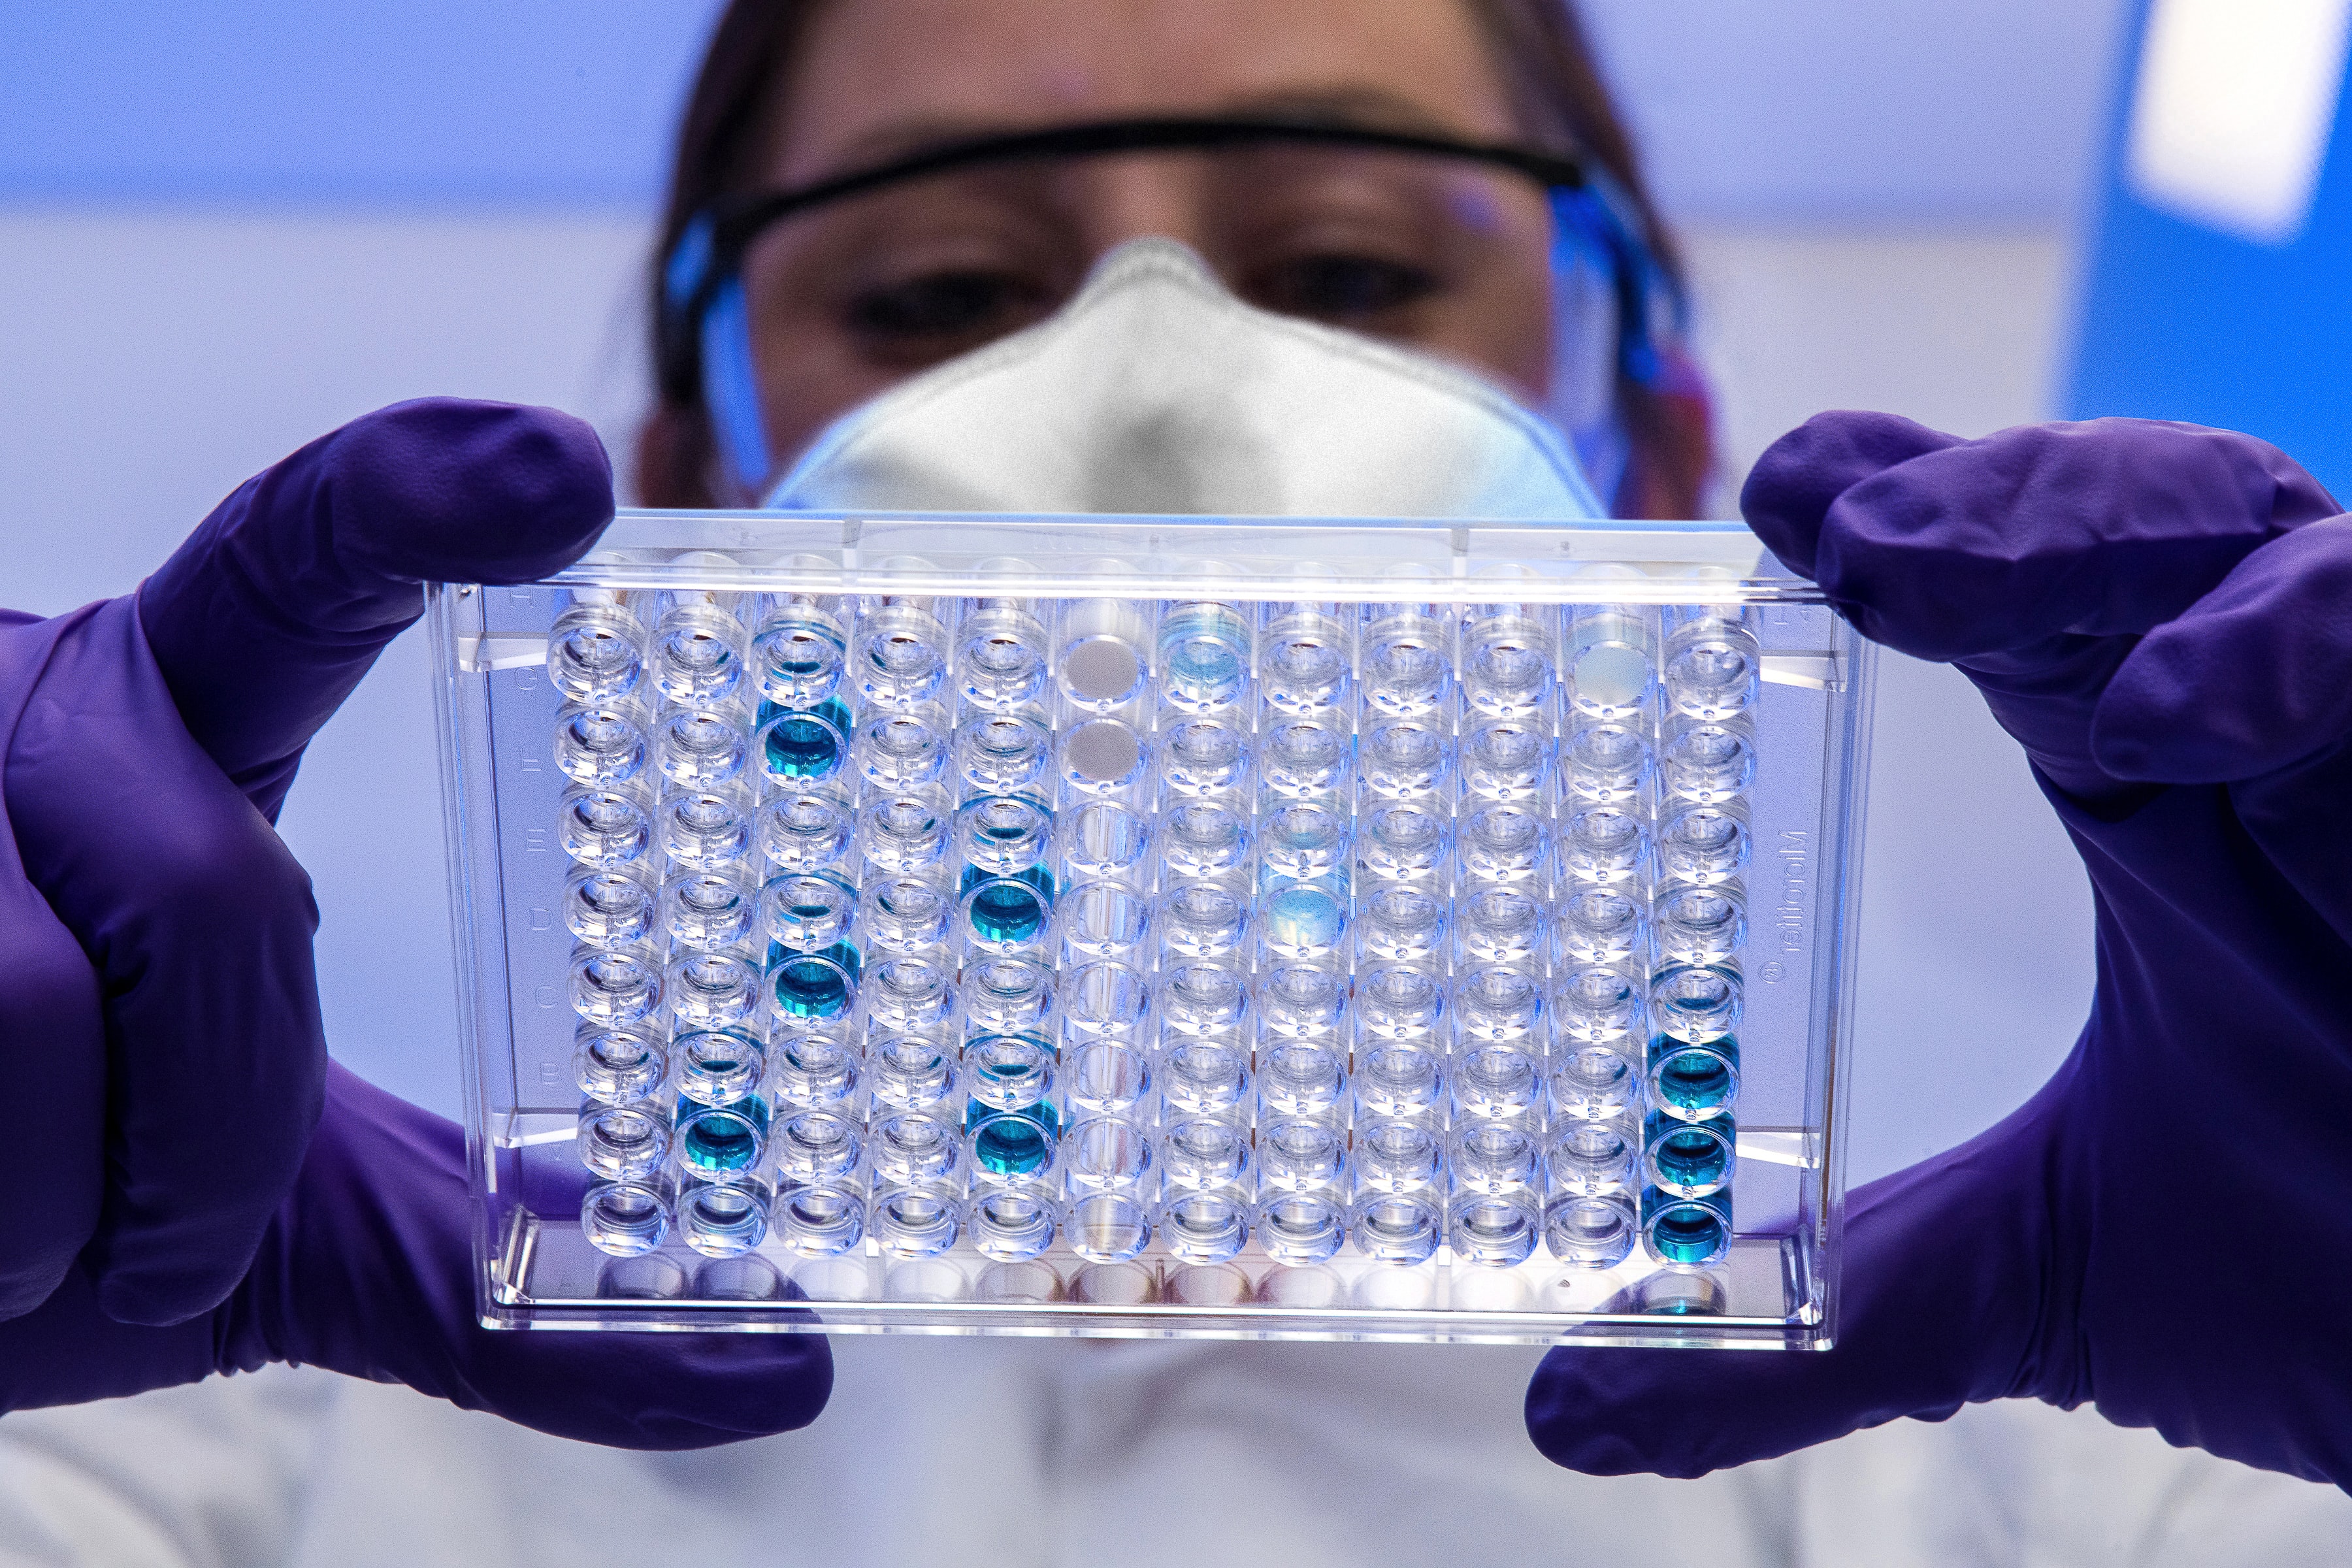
<point x="159" y="1007"/>
<point x="2162" y="615"/>
<point x="367" y="1268"/>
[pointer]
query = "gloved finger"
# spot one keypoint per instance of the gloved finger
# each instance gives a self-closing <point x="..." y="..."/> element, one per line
<point x="371" y="1272"/>
<point x="49" y="1018"/>
<point x="1789" y="492"/>
<point x="269" y="616"/>
<point x="2255" y="676"/>
<point x="1947" y="1265"/>
<point x="49" y="1029"/>
<point x="66" y="1350"/>
<point x="198" y="924"/>
<point x="1992" y="546"/>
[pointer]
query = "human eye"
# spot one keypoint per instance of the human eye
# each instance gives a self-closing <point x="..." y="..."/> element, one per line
<point x="943" y="309"/>
<point x="1343" y="287"/>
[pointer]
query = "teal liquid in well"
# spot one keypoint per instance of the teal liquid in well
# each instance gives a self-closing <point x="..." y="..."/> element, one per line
<point x="814" y="986"/>
<point x="1012" y="909"/>
<point x="1012" y="1143"/>
<point x="1695" y="1081"/>
<point x="1688" y="1230"/>
<point x="722" y="1141"/>
<point x="1690" y="1155"/>
<point x="805" y="744"/>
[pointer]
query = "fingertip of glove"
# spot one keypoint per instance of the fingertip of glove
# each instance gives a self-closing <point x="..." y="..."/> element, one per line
<point x="2255" y="677"/>
<point x="143" y="1298"/>
<point x="451" y="490"/>
<point x="694" y="1391"/>
<point x="1788" y="492"/>
<point x="24" y="1290"/>
<point x="2140" y="736"/>
<point x="785" y="1387"/>
<point x="1576" y="1423"/>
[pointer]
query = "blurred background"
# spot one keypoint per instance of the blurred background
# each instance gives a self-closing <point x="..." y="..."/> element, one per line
<point x="225" y="229"/>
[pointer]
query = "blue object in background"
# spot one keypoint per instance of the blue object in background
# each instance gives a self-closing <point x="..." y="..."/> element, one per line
<point x="2241" y="323"/>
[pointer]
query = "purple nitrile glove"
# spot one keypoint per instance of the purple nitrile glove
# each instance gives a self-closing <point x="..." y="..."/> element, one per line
<point x="2162" y="615"/>
<point x="368" y="1268"/>
<point x="159" y="1005"/>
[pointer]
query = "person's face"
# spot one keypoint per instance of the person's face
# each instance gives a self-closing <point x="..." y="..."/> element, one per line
<point x="1453" y="259"/>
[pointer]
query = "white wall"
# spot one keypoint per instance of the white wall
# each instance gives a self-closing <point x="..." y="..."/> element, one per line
<point x="1958" y="329"/>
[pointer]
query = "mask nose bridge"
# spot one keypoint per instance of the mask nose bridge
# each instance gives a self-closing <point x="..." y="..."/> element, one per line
<point x="1170" y="428"/>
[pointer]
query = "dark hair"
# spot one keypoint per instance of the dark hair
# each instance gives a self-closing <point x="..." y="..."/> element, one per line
<point x="1555" y="88"/>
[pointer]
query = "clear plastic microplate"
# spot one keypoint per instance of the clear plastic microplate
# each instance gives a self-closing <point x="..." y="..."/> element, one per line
<point x="1173" y="926"/>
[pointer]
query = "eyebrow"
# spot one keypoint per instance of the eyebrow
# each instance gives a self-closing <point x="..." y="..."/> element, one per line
<point x="1370" y="108"/>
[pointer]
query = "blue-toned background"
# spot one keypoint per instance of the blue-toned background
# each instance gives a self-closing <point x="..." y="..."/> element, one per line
<point x="545" y="103"/>
<point x="2180" y="320"/>
<point x="224" y="229"/>
<point x="1806" y="109"/>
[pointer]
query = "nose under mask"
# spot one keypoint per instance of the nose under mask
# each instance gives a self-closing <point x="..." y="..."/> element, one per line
<point x="1155" y="390"/>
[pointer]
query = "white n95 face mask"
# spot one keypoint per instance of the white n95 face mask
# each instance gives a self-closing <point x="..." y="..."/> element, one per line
<point x="1155" y="390"/>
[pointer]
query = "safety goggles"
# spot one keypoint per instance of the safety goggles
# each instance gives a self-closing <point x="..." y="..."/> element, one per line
<point x="782" y="309"/>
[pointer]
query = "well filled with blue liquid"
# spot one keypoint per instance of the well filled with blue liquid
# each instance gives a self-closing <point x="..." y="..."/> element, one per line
<point x="1696" y="1080"/>
<point x="817" y="985"/>
<point x="724" y="1139"/>
<point x="806" y="745"/>
<point x="1691" y="1154"/>
<point x="1012" y="1143"/>
<point x="1305" y="917"/>
<point x="1689" y="1230"/>
<point x="1007" y="910"/>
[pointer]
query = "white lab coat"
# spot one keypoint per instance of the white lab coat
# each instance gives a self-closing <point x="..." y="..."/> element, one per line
<point x="1023" y="1454"/>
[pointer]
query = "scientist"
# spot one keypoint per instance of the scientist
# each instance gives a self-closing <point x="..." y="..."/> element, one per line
<point x="869" y="194"/>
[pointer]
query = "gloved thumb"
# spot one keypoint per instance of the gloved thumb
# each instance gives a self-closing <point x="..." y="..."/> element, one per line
<point x="264" y="621"/>
<point x="2255" y="676"/>
<point x="1788" y="492"/>
<point x="1951" y="1292"/>
<point x="370" y="1270"/>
